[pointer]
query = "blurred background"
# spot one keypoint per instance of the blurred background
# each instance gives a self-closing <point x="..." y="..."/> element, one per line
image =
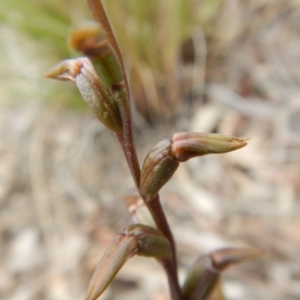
<point x="225" y="66"/>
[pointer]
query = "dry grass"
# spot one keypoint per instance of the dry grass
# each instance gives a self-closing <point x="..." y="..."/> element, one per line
<point x="59" y="202"/>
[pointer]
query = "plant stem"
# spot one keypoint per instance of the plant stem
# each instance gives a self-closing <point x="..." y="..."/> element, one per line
<point x="159" y="217"/>
<point x="127" y="140"/>
<point x="100" y="16"/>
<point x="131" y="158"/>
<point x="173" y="280"/>
<point x="161" y="222"/>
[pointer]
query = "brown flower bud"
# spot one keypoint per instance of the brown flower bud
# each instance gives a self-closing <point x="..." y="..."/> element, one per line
<point x="201" y="280"/>
<point x="92" y="41"/>
<point x="151" y="242"/>
<point x="205" y="274"/>
<point x="122" y="248"/>
<point x="136" y="239"/>
<point x="93" y="91"/>
<point x="163" y="159"/>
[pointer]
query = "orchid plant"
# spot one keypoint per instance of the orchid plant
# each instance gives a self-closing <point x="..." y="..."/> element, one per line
<point x="101" y="79"/>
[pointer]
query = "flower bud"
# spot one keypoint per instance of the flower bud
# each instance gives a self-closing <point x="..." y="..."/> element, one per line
<point x="136" y="239"/>
<point x="186" y="145"/>
<point x="201" y="280"/>
<point x="158" y="168"/>
<point x="95" y="94"/>
<point x="205" y="274"/>
<point x="151" y="242"/>
<point x="92" y="41"/>
<point x="122" y="248"/>
<point x="163" y="159"/>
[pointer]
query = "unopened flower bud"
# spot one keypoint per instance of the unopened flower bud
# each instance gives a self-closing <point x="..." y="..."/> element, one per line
<point x="95" y="94"/>
<point x="204" y="276"/>
<point x="201" y="280"/>
<point x="163" y="159"/>
<point x="151" y="242"/>
<point x="122" y="248"/>
<point x="137" y="239"/>
<point x="92" y="41"/>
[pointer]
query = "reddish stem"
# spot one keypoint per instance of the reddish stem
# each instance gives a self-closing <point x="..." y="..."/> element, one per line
<point x="162" y="224"/>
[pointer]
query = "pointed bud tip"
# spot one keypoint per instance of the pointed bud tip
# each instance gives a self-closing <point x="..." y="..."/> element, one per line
<point x="238" y="143"/>
<point x="226" y="257"/>
<point x="186" y="145"/>
<point x="65" y="70"/>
